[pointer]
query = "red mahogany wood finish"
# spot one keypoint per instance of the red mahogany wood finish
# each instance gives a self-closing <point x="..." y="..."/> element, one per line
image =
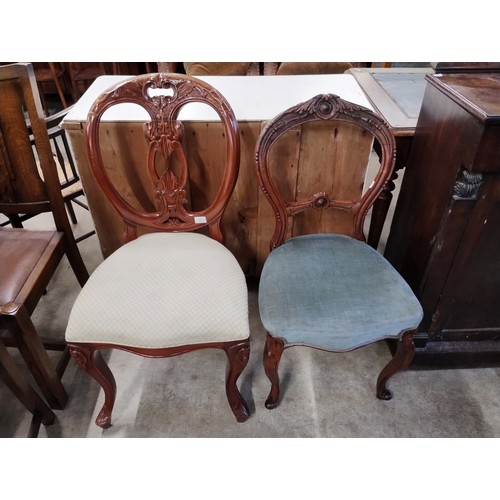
<point x="165" y="205"/>
<point x="170" y="191"/>
<point x="332" y="108"/>
<point x="90" y="359"/>
<point x="354" y="127"/>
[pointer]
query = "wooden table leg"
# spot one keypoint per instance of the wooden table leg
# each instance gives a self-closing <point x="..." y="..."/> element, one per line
<point x="383" y="202"/>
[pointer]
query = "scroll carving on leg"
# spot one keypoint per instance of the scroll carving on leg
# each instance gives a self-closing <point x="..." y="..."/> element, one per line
<point x="93" y="363"/>
<point x="272" y="354"/>
<point x="158" y="200"/>
<point x="400" y="361"/>
<point x="237" y="358"/>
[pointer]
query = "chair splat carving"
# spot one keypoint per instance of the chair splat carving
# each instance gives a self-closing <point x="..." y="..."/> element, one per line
<point x="164" y="135"/>
<point x="172" y="290"/>
<point x="324" y="107"/>
<point x="325" y="290"/>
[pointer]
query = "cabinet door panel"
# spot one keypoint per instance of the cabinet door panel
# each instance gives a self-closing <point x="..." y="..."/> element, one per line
<point x="470" y="304"/>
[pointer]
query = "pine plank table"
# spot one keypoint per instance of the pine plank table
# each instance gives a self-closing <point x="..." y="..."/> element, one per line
<point x="248" y="221"/>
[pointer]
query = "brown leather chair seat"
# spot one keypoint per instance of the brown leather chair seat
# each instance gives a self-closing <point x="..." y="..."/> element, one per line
<point x="21" y="253"/>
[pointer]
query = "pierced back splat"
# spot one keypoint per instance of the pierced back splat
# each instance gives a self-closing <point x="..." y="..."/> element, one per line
<point x="163" y="95"/>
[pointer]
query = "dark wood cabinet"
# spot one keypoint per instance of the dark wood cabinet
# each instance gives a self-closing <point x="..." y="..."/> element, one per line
<point x="445" y="234"/>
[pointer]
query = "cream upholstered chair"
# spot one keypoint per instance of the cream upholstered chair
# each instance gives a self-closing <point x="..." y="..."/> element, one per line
<point x="173" y="289"/>
<point x="318" y="288"/>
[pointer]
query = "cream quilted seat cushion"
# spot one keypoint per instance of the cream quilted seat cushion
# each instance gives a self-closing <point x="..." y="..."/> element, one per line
<point x="163" y="290"/>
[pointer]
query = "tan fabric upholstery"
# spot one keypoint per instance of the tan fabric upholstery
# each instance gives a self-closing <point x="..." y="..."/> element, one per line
<point x="216" y="68"/>
<point x="163" y="290"/>
<point x="312" y="68"/>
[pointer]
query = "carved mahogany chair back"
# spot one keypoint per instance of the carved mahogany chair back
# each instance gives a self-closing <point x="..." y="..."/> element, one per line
<point x="29" y="184"/>
<point x="322" y="286"/>
<point x="162" y="96"/>
<point x="341" y="165"/>
<point x="169" y="289"/>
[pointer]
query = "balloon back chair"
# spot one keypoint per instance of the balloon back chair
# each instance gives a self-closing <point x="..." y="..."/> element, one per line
<point x="29" y="185"/>
<point x="171" y="289"/>
<point x="320" y="288"/>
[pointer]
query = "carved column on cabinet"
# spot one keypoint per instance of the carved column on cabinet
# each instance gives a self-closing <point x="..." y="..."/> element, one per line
<point x="446" y="226"/>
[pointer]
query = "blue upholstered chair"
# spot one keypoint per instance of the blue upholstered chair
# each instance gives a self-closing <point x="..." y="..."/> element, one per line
<point x="319" y="288"/>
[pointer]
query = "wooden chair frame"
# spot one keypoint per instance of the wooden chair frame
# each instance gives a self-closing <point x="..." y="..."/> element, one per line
<point x="69" y="178"/>
<point x="173" y="213"/>
<point x="23" y="191"/>
<point x="326" y="107"/>
<point x="16" y="381"/>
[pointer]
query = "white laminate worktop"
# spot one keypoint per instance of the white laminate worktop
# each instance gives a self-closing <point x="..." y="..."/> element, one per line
<point x="253" y="98"/>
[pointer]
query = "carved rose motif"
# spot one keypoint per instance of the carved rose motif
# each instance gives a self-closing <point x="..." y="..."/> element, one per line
<point x="320" y="202"/>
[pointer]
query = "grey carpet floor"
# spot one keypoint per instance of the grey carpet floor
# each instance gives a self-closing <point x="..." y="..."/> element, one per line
<point x="324" y="395"/>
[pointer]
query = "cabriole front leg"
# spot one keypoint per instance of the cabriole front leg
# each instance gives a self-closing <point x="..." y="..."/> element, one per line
<point x="237" y="359"/>
<point x="92" y="362"/>
<point x="272" y="355"/>
<point x="399" y="362"/>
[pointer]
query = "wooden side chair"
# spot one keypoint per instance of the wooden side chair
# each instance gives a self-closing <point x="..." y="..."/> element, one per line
<point x="69" y="178"/>
<point x="17" y="382"/>
<point x="30" y="257"/>
<point x="317" y="288"/>
<point x="169" y="289"/>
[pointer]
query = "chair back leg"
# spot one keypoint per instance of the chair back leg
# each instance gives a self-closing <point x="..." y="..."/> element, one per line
<point x="19" y="385"/>
<point x="76" y="262"/>
<point x="33" y="351"/>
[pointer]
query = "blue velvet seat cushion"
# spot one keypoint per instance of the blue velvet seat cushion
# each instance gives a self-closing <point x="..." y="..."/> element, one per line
<point x="335" y="293"/>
